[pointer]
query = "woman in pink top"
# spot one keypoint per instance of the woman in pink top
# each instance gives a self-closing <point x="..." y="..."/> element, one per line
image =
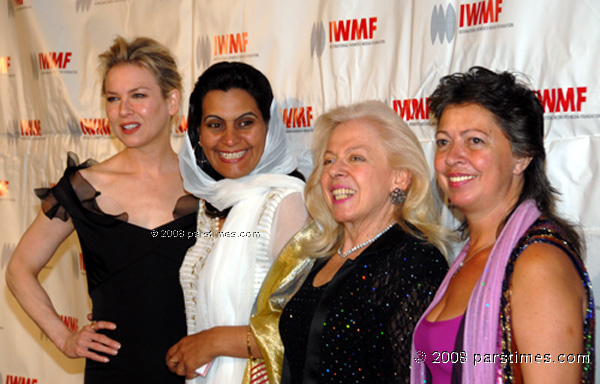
<point x="496" y="310"/>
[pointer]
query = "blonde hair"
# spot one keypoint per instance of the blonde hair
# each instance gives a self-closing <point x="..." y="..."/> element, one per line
<point x="418" y="215"/>
<point x="146" y="53"/>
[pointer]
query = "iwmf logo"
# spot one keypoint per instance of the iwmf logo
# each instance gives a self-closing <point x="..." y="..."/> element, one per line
<point x="3" y="188"/>
<point x="31" y="128"/>
<point x="4" y="64"/>
<point x="443" y="24"/>
<point x="222" y="45"/>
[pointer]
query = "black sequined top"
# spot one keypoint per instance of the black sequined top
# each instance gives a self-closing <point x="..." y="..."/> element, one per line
<point x="358" y="327"/>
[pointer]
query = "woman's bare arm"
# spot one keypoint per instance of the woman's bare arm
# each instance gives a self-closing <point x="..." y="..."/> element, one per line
<point x="33" y="252"/>
<point x="548" y="306"/>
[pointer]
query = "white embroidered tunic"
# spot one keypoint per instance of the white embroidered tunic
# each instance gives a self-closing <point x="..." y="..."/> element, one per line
<point x="220" y="287"/>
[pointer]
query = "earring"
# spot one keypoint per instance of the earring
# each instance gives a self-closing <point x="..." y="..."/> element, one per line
<point x="398" y="196"/>
<point x="201" y="159"/>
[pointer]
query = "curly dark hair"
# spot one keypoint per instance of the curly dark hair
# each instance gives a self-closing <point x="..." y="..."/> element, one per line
<point x="520" y="115"/>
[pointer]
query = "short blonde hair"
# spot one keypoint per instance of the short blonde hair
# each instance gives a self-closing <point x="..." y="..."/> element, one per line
<point x="146" y="53"/>
<point x="418" y="215"/>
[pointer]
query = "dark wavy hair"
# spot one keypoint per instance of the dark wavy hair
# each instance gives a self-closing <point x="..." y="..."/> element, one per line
<point x="520" y="115"/>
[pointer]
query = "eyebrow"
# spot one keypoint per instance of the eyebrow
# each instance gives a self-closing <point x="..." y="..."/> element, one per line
<point x="465" y="132"/>
<point x="237" y="118"/>
<point x="134" y="90"/>
<point x="348" y="150"/>
<point x="357" y="147"/>
<point x="212" y="117"/>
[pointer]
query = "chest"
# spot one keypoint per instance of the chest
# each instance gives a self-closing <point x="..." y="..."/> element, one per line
<point x="148" y="203"/>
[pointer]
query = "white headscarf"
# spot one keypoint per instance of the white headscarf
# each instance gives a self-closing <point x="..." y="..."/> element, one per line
<point x="271" y="171"/>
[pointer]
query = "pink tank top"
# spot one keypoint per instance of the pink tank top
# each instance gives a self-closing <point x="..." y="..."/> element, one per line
<point x="434" y="342"/>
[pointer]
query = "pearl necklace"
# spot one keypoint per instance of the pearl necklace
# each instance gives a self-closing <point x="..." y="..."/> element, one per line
<point x="473" y="255"/>
<point x="363" y="244"/>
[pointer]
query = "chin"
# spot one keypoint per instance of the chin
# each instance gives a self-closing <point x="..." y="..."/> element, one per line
<point x="461" y="204"/>
<point x="233" y="174"/>
<point x="342" y="219"/>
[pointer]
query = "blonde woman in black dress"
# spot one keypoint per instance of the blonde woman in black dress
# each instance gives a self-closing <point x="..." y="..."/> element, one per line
<point x="119" y="209"/>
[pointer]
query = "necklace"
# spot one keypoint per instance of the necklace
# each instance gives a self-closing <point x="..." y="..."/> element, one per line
<point x="363" y="244"/>
<point x="466" y="260"/>
<point x="217" y="225"/>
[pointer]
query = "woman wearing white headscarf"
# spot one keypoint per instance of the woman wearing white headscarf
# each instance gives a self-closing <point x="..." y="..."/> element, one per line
<point x="236" y="158"/>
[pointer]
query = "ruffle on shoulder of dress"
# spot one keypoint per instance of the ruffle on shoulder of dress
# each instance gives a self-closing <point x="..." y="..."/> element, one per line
<point x="186" y="205"/>
<point x="50" y="206"/>
<point x="86" y="194"/>
<point x="73" y="181"/>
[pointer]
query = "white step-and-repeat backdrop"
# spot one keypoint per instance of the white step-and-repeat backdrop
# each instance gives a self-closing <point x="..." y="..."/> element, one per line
<point x="317" y="54"/>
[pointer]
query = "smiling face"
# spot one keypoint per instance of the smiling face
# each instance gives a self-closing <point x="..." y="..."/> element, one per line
<point x="474" y="162"/>
<point x="357" y="178"/>
<point x="135" y="106"/>
<point x="232" y="132"/>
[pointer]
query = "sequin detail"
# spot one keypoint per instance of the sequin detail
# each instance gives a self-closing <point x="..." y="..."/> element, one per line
<point x="368" y="311"/>
<point x="548" y="232"/>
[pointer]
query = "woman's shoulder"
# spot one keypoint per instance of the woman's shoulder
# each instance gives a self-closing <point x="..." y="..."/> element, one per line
<point x="283" y="192"/>
<point x="541" y="257"/>
<point x="74" y="165"/>
<point x="545" y="270"/>
<point x="414" y="251"/>
<point x="286" y="197"/>
<point x="545" y="231"/>
<point x="544" y="252"/>
<point x="415" y="244"/>
<point x="428" y="257"/>
<point x="72" y="189"/>
<point x="96" y="171"/>
<point x="283" y="202"/>
<point x="544" y="224"/>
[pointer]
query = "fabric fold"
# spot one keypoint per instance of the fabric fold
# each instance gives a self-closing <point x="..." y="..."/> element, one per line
<point x="483" y="311"/>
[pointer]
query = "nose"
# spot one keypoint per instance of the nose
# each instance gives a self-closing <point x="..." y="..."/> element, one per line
<point x="124" y="107"/>
<point x="337" y="169"/>
<point x="454" y="153"/>
<point x="230" y="137"/>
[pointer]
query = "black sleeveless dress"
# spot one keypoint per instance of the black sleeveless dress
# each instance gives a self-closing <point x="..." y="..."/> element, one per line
<point x="133" y="278"/>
